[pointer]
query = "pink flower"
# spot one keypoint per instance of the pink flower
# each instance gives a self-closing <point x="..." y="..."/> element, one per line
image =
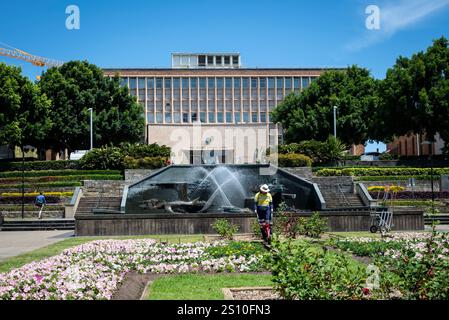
<point x="366" y="291"/>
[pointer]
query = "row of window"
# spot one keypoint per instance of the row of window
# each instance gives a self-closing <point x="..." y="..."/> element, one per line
<point x="217" y="82"/>
<point x="210" y="117"/>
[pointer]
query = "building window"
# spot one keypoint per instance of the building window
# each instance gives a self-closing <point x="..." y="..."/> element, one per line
<point x="167" y="117"/>
<point x="203" y="117"/>
<point x="280" y="83"/>
<point x="150" y="117"/>
<point x="296" y="84"/>
<point x="202" y="61"/>
<point x="263" y="117"/>
<point x="262" y="83"/>
<point x="227" y="60"/>
<point x="245" y="82"/>
<point x="193" y="83"/>
<point x="211" y="83"/>
<point x="220" y="117"/>
<point x="237" y="117"/>
<point x="167" y="83"/>
<point x="132" y="83"/>
<point x="235" y="60"/>
<point x="210" y="60"/>
<point x="150" y="83"/>
<point x="185" y="83"/>
<point x="123" y="82"/>
<point x="218" y="60"/>
<point x="220" y="105"/>
<point x="211" y="117"/>
<point x="228" y="117"/>
<point x="246" y="117"/>
<point x="202" y="83"/>
<point x="253" y="83"/>
<point x="305" y="82"/>
<point x="159" y="117"/>
<point x="236" y="83"/>
<point x="254" y="117"/>
<point x="194" y="117"/>
<point x="211" y="105"/>
<point x="220" y="83"/>
<point x="228" y="83"/>
<point x="159" y="83"/>
<point x="185" y="117"/>
<point x="177" y="117"/>
<point x="270" y="83"/>
<point x="288" y="83"/>
<point x="176" y="82"/>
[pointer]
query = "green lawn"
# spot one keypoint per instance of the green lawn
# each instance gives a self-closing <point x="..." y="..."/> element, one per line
<point x="203" y="287"/>
<point x="56" y="248"/>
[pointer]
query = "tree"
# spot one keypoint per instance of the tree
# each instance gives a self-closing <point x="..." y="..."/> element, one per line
<point x="309" y="115"/>
<point x="77" y="86"/>
<point x="24" y="109"/>
<point x="415" y="95"/>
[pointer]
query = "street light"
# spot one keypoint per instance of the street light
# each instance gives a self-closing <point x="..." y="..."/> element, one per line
<point x="430" y="144"/>
<point x="335" y="120"/>
<point x="91" y="129"/>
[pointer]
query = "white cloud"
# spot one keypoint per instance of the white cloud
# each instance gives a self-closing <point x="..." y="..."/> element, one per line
<point x="396" y="16"/>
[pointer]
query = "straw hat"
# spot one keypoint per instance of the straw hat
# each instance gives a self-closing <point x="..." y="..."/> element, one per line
<point x="264" y="188"/>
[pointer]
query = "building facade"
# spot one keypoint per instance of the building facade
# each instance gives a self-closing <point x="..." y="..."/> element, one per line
<point x="206" y="100"/>
<point x="416" y="145"/>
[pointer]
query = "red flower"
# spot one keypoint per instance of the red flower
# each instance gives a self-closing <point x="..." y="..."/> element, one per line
<point x="366" y="291"/>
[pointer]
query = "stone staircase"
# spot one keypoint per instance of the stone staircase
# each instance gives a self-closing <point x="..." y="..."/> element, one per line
<point x="38" y="225"/>
<point x="338" y="192"/>
<point x="90" y="202"/>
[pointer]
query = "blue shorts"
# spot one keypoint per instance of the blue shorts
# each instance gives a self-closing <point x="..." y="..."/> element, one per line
<point x="264" y="214"/>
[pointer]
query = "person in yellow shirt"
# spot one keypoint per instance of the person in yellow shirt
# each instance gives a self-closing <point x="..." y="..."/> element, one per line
<point x="263" y="207"/>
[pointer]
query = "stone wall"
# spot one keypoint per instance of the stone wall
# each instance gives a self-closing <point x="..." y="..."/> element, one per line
<point x="143" y="224"/>
<point x="105" y="188"/>
<point x="58" y="214"/>
<point x="302" y="172"/>
<point x="134" y="175"/>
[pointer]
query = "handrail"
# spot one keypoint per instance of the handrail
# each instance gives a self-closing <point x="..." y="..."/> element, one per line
<point x="124" y="196"/>
<point x="342" y="193"/>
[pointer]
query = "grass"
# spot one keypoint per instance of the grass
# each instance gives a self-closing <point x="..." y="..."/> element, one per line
<point x="56" y="248"/>
<point x="203" y="287"/>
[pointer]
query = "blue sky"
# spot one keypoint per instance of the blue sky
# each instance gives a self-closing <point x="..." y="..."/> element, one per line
<point x="267" y="33"/>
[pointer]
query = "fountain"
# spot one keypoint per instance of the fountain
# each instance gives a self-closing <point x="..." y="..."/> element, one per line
<point x="214" y="189"/>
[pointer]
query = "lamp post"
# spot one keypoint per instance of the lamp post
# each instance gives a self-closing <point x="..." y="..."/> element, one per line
<point x="430" y="144"/>
<point x="91" y="129"/>
<point x="335" y="121"/>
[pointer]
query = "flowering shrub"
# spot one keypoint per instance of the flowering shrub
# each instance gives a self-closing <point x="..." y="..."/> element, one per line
<point x="382" y="188"/>
<point x="412" y="265"/>
<point x="95" y="270"/>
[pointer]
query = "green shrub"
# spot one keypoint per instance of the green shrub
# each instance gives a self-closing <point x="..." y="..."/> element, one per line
<point x="395" y="178"/>
<point x="313" y="227"/>
<point x="382" y="171"/>
<point x="39" y="185"/>
<point x="225" y="228"/>
<point x="126" y="156"/>
<point x="61" y="178"/>
<point x="255" y="228"/>
<point x="58" y="173"/>
<point x="285" y="222"/>
<point x="39" y="165"/>
<point x="144" y="163"/>
<point x="305" y="272"/>
<point x="294" y="160"/>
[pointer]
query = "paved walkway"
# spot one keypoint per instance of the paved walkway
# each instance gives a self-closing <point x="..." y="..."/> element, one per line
<point x="13" y="243"/>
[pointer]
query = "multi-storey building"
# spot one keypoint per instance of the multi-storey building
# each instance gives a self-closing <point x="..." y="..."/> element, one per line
<point x="213" y="92"/>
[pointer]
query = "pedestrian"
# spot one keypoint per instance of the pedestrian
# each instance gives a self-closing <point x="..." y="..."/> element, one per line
<point x="263" y="207"/>
<point x="40" y="202"/>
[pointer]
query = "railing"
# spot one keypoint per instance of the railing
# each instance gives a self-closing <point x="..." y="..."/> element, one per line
<point x="362" y="191"/>
<point x="340" y="190"/>
<point x="70" y="209"/>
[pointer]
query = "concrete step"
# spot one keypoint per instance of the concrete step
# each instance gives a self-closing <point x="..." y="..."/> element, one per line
<point x="30" y="225"/>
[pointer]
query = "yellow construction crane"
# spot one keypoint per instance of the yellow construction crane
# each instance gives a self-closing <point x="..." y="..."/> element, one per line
<point x="22" y="55"/>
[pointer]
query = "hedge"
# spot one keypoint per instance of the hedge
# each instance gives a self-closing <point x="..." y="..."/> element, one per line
<point x="58" y="173"/>
<point x="28" y="199"/>
<point x="28" y="207"/>
<point x="43" y="185"/>
<point x="395" y="178"/>
<point x="382" y="188"/>
<point x="294" y="160"/>
<point x="39" y="165"/>
<point x="145" y="163"/>
<point x="382" y="171"/>
<point x="61" y="178"/>
<point x="34" y="194"/>
<point x="426" y="195"/>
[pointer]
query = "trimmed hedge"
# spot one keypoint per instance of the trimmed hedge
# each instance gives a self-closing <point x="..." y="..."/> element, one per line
<point x="381" y="171"/>
<point x="145" y="163"/>
<point x="42" y="185"/>
<point x="28" y="199"/>
<point x="58" y="173"/>
<point x="425" y="195"/>
<point x="28" y="207"/>
<point x="39" y="165"/>
<point x="394" y="178"/>
<point x="61" y="178"/>
<point x="294" y="160"/>
<point x="382" y="188"/>
<point x="34" y="194"/>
